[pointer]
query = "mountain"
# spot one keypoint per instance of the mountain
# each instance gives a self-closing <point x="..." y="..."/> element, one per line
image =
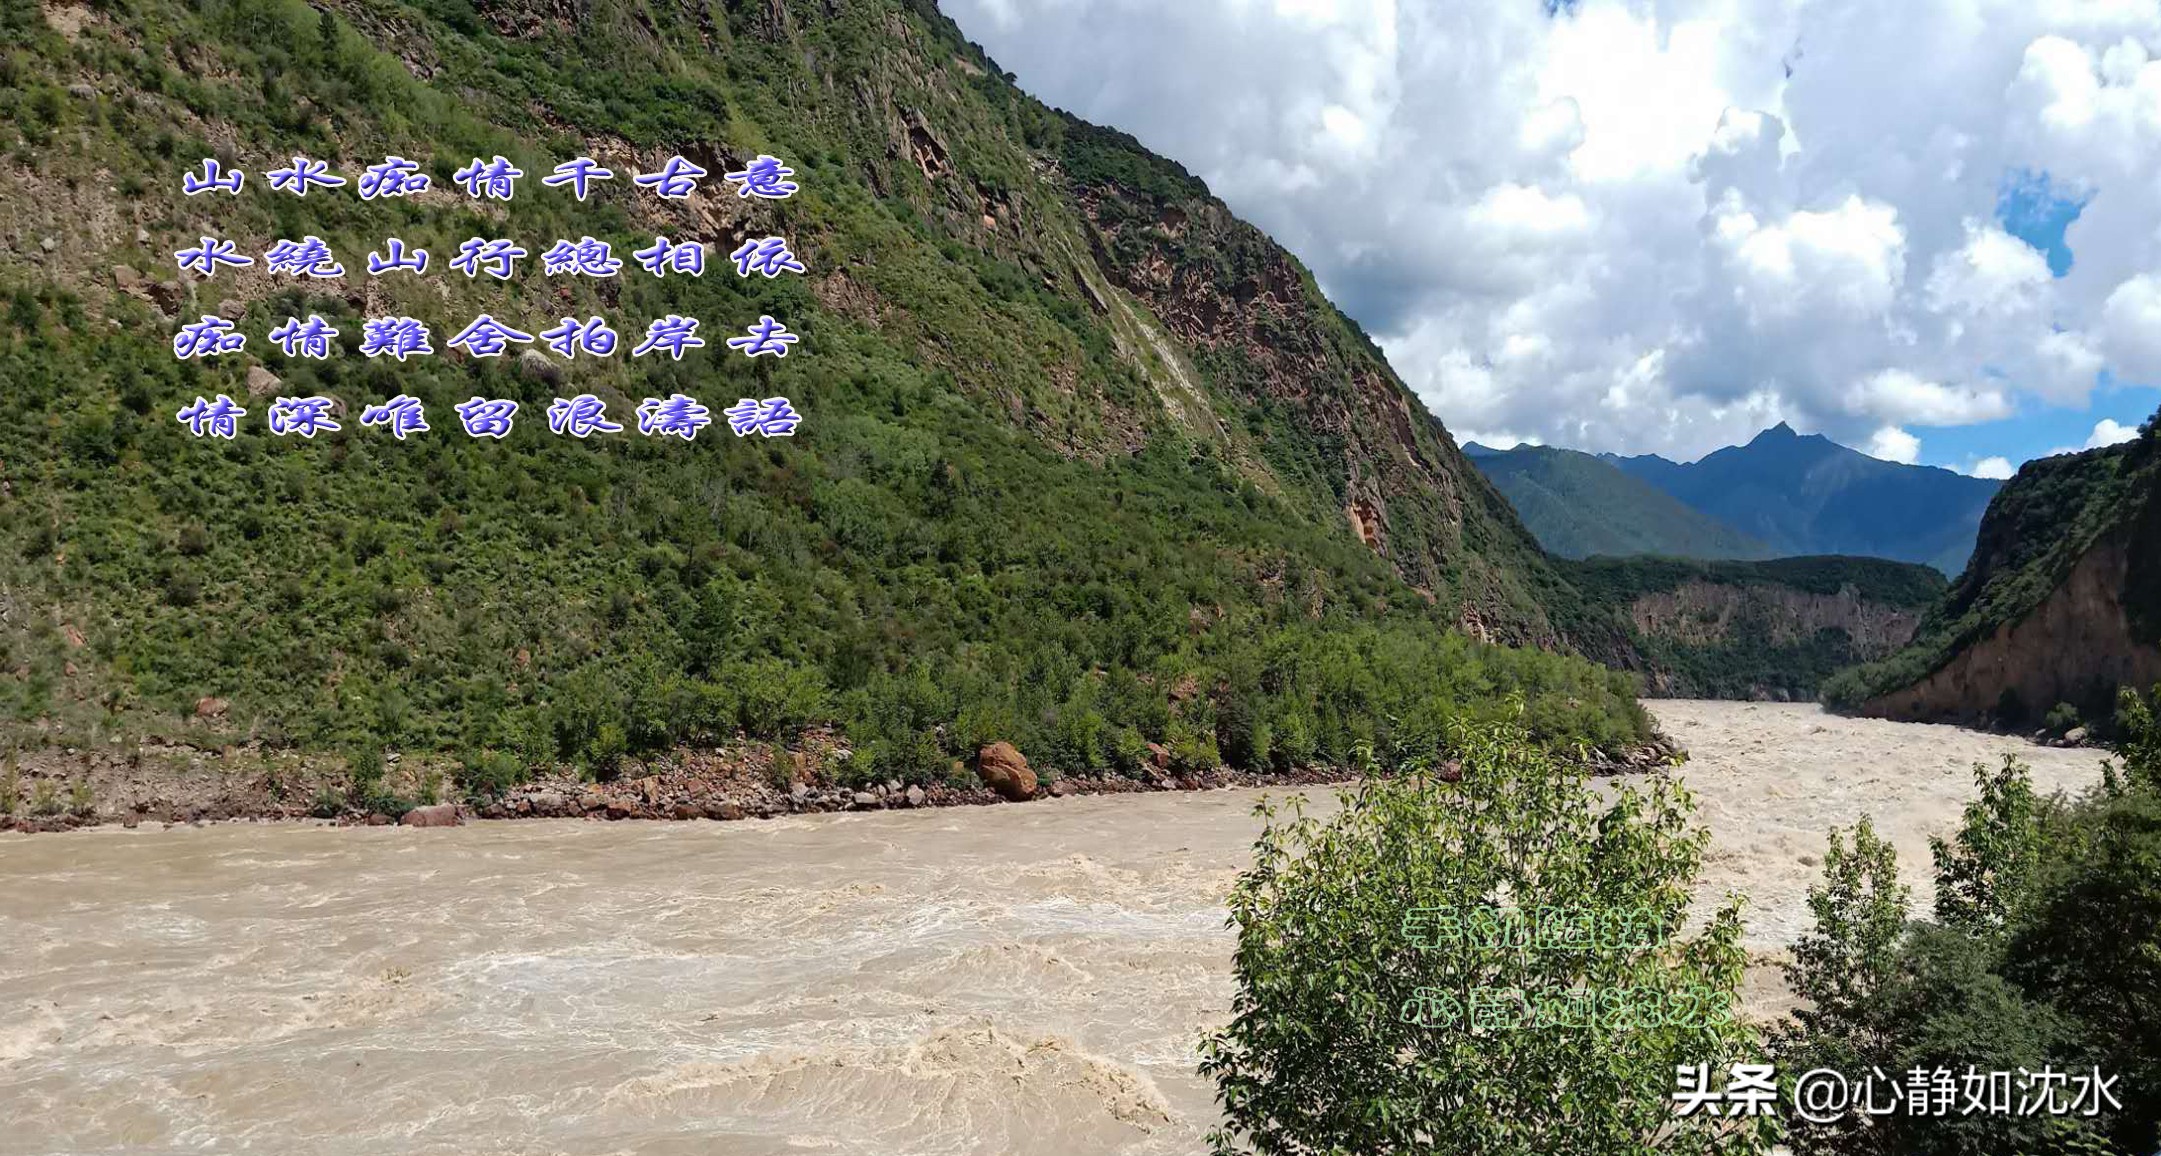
<point x="1810" y="495"/>
<point x="1773" y="629"/>
<point x="2062" y="604"/>
<point x="1086" y="462"/>
<point x="1578" y="505"/>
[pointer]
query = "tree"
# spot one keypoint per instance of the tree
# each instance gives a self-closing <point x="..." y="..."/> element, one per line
<point x="2017" y="970"/>
<point x="1994" y="854"/>
<point x="1477" y="956"/>
<point x="2138" y="740"/>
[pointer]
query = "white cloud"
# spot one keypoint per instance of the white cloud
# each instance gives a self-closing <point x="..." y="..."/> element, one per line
<point x="1659" y="225"/>
<point x="1991" y="468"/>
<point x="1896" y="395"/>
<point x="1844" y="263"/>
<point x="2109" y="432"/>
<point x="1495" y="440"/>
<point x="2131" y="319"/>
<point x="1893" y="444"/>
<point x="1993" y="275"/>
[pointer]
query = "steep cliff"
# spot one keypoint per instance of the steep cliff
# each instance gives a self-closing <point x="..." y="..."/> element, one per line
<point x="1754" y="630"/>
<point x="1305" y="397"/>
<point x="2062" y="603"/>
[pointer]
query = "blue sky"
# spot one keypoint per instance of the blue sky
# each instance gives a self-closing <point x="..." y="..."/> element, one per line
<point x="2032" y="208"/>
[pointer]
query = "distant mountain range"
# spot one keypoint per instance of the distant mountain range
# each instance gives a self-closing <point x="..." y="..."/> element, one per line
<point x="1580" y="506"/>
<point x="1781" y="495"/>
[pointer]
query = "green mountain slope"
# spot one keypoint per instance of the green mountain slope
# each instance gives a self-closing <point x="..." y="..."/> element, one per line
<point x="1810" y="495"/>
<point x="2062" y="603"/>
<point x="1086" y="463"/>
<point x="1772" y="629"/>
<point x="1578" y="505"/>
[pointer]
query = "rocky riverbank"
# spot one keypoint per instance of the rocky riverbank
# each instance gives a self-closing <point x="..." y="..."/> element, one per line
<point x="67" y="790"/>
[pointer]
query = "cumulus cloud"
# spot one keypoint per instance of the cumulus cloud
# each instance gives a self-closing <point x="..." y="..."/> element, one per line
<point x="1996" y="467"/>
<point x="2109" y="432"/>
<point x="2131" y="322"/>
<point x="1660" y="226"/>
<point x="1893" y="444"/>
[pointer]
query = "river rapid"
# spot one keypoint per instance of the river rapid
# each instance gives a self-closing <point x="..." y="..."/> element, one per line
<point x="975" y="980"/>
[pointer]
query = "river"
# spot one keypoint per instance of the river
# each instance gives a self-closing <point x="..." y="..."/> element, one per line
<point x="977" y="980"/>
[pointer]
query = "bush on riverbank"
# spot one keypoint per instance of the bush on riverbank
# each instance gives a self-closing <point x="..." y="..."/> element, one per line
<point x="1372" y="1016"/>
<point x="2043" y="950"/>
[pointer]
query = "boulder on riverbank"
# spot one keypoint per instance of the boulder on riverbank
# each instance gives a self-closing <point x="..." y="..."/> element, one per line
<point x="439" y="815"/>
<point x="1005" y="770"/>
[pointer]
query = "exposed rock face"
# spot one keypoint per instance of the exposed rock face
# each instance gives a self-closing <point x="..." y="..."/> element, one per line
<point x="535" y="365"/>
<point x="2077" y="646"/>
<point x="1005" y="770"/>
<point x="1705" y="613"/>
<point x="1251" y="321"/>
<point x="2061" y="604"/>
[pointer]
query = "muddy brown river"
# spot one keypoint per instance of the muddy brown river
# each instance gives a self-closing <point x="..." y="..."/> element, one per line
<point x="981" y="980"/>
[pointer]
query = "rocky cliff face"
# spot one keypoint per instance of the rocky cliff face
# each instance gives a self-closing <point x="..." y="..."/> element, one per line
<point x="1752" y="630"/>
<point x="2062" y="603"/>
<point x="1313" y="404"/>
<point x="1708" y="614"/>
<point x="2077" y="646"/>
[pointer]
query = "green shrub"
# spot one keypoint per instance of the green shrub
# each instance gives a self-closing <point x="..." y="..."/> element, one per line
<point x="488" y="774"/>
<point x="2015" y="971"/>
<point x="2138" y="735"/>
<point x="2061" y="718"/>
<point x="1335" y="963"/>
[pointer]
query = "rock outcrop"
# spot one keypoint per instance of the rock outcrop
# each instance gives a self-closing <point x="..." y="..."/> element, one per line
<point x="2077" y="646"/>
<point x="439" y="815"/>
<point x="1005" y="770"/>
<point x="2062" y="604"/>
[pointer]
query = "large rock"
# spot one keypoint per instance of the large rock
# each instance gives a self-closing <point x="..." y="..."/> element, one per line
<point x="439" y="815"/>
<point x="262" y="382"/>
<point x="1005" y="770"/>
<point x="535" y="365"/>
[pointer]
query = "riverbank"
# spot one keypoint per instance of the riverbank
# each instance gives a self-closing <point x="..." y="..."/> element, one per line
<point x="172" y="786"/>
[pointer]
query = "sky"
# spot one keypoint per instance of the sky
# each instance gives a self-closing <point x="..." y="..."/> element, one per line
<point x="1930" y="229"/>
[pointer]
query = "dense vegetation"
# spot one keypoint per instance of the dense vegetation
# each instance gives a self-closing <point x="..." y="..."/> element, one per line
<point x="1810" y="495"/>
<point x="1365" y="940"/>
<point x="1743" y="636"/>
<point x="2043" y="949"/>
<point x="2038" y="528"/>
<point x="986" y="528"/>
<point x="1579" y="505"/>
<point x="1618" y="581"/>
<point x="1384" y="980"/>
